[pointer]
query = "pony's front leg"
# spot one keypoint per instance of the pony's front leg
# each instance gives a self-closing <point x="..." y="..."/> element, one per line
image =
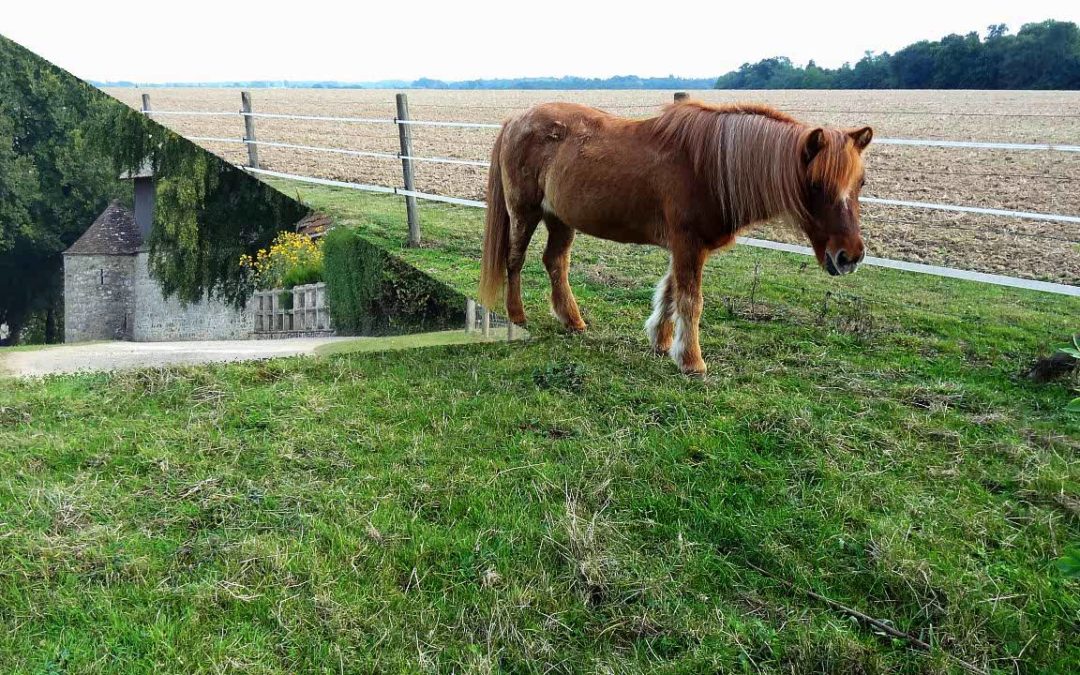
<point x="659" y="326"/>
<point x="686" y="273"/>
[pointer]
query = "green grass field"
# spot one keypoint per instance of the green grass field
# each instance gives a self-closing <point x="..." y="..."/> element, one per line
<point x="570" y="503"/>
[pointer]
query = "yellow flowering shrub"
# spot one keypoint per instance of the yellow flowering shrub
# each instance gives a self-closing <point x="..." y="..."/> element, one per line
<point x="292" y="259"/>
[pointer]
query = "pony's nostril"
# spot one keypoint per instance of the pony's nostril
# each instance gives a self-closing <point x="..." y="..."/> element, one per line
<point x="842" y="259"/>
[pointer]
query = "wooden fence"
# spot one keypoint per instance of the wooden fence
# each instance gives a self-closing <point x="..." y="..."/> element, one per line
<point x="479" y="319"/>
<point x="404" y="123"/>
<point x="303" y="312"/>
<point x="298" y="312"/>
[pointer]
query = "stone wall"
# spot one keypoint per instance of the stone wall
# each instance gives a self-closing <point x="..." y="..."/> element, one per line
<point x="98" y="297"/>
<point x="158" y="320"/>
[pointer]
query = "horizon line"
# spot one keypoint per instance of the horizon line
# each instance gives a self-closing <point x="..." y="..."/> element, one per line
<point x="417" y="83"/>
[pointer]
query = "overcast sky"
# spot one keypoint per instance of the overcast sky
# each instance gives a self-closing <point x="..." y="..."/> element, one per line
<point x="196" y="40"/>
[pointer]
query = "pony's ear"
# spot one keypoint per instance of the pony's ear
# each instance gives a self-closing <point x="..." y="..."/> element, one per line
<point x="814" y="143"/>
<point x="862" y="137"/>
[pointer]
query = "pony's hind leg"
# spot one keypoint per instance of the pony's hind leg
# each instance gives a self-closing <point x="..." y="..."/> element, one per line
<point x="557" y="262"/>
<point x="686" y="273"/>
<point x="522" y="226"/>
<point x="660" y="327"/>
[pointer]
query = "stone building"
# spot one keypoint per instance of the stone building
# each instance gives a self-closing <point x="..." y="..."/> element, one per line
<point x="109" y="294"/>
<point x="99" y="276"/>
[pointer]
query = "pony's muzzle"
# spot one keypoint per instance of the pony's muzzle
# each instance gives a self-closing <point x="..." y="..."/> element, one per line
<point x="840" y="262"/>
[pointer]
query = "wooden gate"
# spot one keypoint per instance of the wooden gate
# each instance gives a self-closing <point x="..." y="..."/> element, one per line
<point x="297" y="312"/>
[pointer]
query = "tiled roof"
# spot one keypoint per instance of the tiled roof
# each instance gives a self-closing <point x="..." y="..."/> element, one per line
<point x="314" y="224"/>
<point x="113" y="233"/>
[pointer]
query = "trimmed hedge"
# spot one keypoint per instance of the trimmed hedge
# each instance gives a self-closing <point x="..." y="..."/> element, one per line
<point x="371" y="292"/>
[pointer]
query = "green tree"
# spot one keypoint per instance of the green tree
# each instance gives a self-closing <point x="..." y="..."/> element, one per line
<point x="52" y="184"/>
<point x="872" y="72"/>
<point x="815" y="77"/>
<point x="1041" y="56"/>
<point x="774" y="73"/>
<point x="913" y="66"/>
<point x="962" y="62"/>
<point x="17" y="186"/>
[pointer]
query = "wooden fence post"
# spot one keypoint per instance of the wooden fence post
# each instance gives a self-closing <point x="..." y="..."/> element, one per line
<point x="249" y="130"/>
<point x="470" y="314"/>
<point x="485" y="321"/>
<point x="146" y="103"/>
<point x="405" y="134"/>
<point x="681" y="96"/>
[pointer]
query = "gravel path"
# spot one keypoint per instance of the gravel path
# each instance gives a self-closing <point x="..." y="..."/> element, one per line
<point x="122" y="355"/>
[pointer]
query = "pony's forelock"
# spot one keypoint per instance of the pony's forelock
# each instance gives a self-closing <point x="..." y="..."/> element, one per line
<point x="838" y="166"/>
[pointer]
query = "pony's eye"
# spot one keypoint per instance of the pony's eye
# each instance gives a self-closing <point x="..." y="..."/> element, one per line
<point x="862" y="183"/>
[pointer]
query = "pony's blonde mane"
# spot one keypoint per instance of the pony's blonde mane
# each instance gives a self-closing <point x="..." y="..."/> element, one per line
<point x="751" y="156"/>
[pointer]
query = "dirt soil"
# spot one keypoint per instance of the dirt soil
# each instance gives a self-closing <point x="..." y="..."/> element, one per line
<point x="1038" y="181"/>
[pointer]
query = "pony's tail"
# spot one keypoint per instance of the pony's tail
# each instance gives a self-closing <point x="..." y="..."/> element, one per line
<point x="496" y="235"/>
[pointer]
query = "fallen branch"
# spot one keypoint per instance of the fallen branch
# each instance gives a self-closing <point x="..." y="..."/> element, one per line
<point x="876" y="623"/>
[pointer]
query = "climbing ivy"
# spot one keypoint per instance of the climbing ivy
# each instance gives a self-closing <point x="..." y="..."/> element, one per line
<point x="208" y="212"/>
<point x="52" y="186"/>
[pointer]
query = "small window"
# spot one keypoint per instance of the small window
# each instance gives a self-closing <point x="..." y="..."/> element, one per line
<point x="102" y="276"/>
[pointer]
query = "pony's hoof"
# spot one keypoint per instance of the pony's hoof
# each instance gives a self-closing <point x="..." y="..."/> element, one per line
<point x="694" y="369"/>
<point x="575" y="327"/>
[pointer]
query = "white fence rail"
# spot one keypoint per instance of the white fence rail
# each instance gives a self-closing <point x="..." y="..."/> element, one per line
<point x="949" y="272"/>
<point x="979" y="145"/>
<point x="403" y="122"/>
<point x="1027" y="215"/>
<point x="921" y="142"/>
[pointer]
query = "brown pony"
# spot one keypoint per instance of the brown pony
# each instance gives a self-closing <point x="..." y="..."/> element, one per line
<point x="688" y="180"/>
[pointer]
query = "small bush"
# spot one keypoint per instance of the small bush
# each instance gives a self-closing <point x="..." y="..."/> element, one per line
<point x="302" y="274"/>
<point x="372" y="293"/>
<point x="353" y="271"/>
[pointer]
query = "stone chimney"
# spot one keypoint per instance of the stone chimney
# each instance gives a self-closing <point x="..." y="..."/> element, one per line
<point x="144" y="198"/>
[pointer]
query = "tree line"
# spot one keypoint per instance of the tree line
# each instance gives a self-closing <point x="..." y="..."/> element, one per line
<point x="1040" y="56"/>
<point x="535" y="83"/>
